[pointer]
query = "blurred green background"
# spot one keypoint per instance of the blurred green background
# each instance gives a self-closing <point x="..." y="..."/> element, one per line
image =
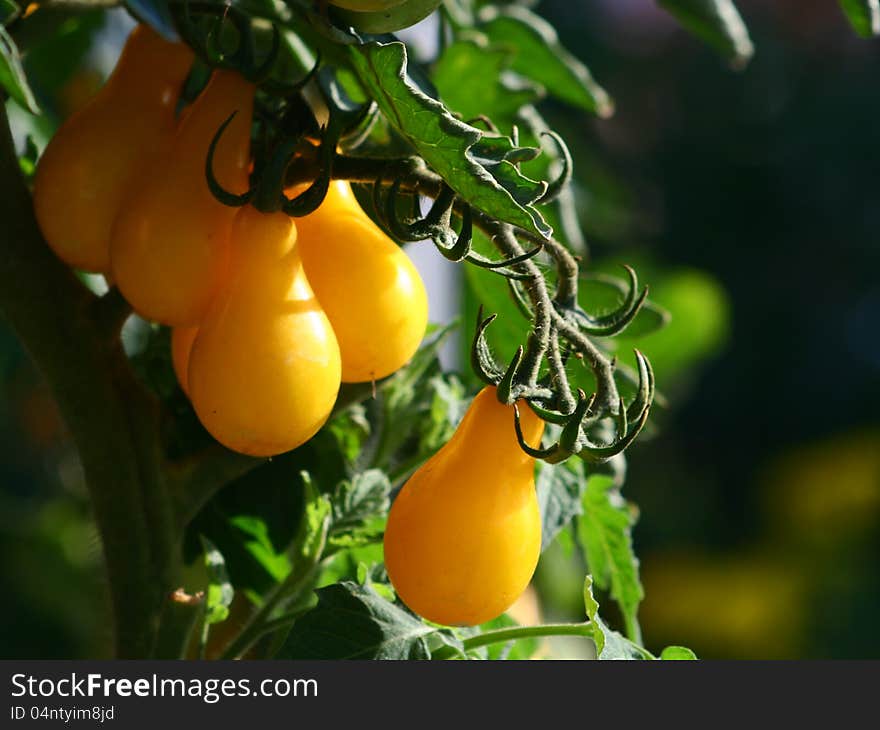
<point x="747" y="201"/>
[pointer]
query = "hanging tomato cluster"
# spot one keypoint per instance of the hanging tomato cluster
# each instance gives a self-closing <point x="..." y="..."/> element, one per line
<point x="269" y="315"/>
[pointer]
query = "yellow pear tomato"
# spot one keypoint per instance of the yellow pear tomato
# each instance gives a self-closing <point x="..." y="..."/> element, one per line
<point x="182" y="339"/>
<point x="83" y="173"/>
<point x="170" y="243"/>
<point x="371" y="291"/>
<point x="264" y="370"/>
<point x="464" y="534"/>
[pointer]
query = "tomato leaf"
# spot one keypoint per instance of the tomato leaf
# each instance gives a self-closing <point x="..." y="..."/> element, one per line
<point x="354" y="502"/>
<point x="560" y="488"/>
<point x="352" y="621"/>
<point x="538" y="55"/>
<point x="604" y="531"/>
<point x="718" y="23"/>
<point x="256" y="541"/>
<point x="609" y="643"/>
<point x="12" y="76"/>
<point x="446" y="143"/>
<point x="677" y="653"/>
<point x="863" y="16"/>
<point x="219" y="594"/>
<point x="469" y="78"/>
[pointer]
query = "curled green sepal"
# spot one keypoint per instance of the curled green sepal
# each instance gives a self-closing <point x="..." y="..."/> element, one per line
<point x="506" y="384"/>
<point x="462" y="246"/>
<point x="295" y="88"/>
<point x="243" y="58"/>
<point x="615" y="322"/>
<point x="637" y="414"/>
<point x="543" y="454"/>
<point x="548" y="414"/>
<point x="261" y="73"/>
<point x="482" y="362"/>
<point x="555" y="188"/>
<point x="573" y="439"/>
<point x="645" y="393"/>
<point x="503" y="266"/>
<point x="217" y="190"/>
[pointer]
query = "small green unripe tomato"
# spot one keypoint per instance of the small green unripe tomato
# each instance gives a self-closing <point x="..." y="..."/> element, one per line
<point x="365" y="6"/>
<point x="392" y="17"/>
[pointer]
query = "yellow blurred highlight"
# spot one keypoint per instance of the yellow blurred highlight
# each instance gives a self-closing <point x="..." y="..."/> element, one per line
<point x="827" y="491"/>
<point x="748" y="607"/>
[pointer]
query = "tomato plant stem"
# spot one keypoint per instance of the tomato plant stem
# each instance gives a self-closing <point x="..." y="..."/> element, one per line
<point x="502" y="636"/>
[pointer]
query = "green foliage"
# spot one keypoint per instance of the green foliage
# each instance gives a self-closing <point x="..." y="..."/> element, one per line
<point x="609" y="644"/>
<point x="12" y="76"/>
<point x="677" y="653"/>
<point x="301" y="535"/>
<point x="352" y="621"/>
<point x="538" y="55"/>
<point x="219" y="595"/>
<point x="717" y="22"/>
<point x="474" y="164"/>
<point x="605" y="532"/>
<point x="863" y="15"/>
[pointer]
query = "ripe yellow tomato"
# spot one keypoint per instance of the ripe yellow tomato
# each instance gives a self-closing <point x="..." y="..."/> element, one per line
<point x="182" y="339"/>
<point x="264" y="370"/>
<point x="83" y="173"/>
<point x="170" y="243"/>
<point x="371" y="291"/>
<point x="464" y="534"/>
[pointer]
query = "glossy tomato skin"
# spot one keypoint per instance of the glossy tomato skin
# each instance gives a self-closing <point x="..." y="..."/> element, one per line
<point x="170" y="243"/>
<point x="82" y="175"/>
<point x="182" y="339"/>
<point x="264" y="370"/>
<point x="372" y="293"/>
<point x="464" y="534"/>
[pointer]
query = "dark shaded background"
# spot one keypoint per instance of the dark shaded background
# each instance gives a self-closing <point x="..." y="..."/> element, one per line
<point x="748" y="202"/>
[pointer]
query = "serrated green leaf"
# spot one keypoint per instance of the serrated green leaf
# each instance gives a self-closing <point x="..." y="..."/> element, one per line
<point x="604" y="531"/>
<point x="219" y="594"/>
<point x="443" y="141"/>
<point x="257" y="543"/>
<point x="12" y="76"/>
<point x="863" y="16"/>
<point x="560" y="488"/>
<point x="354" y="622"/>
<point x="677" y="653"/>
<point x="354" y="502"/>
<point x="718" y="23"/>
<point x="609" y="644"/>
<point x="469" y="79"/>
<point x="539" y="56"/>
<point x="312" y="532"/>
